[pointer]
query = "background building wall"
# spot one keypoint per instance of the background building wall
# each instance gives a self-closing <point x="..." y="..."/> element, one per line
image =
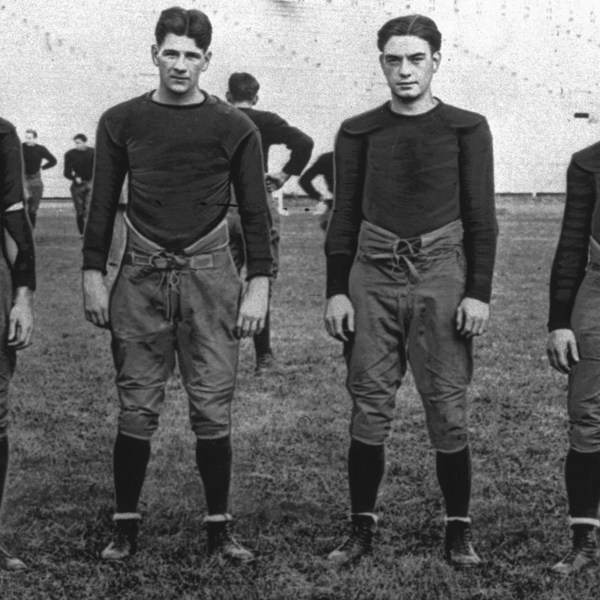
<point x="528" y="65"/>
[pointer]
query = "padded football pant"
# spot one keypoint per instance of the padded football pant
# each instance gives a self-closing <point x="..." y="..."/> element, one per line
<point x="165" y="306"/>
<point x="405" y="293"/>
<point x="7" y="355"/>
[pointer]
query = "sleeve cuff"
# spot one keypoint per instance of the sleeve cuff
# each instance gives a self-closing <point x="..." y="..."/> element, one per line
<point x="259" y="268"/>
<point x="24" y="279"/>
<point x="338" y="273"/>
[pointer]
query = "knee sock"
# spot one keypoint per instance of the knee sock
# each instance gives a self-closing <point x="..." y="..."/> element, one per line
<point x="262" y="340"/>
<point x="582" y="477"/>
<point x="213" y="458"/>
<point x="130" y="460"/>
<point x="3" y="465"/>
<point x="366" y="465"/>
<point x="454" y="476"/>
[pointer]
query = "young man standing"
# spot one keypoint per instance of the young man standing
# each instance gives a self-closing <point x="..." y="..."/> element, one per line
<point x="178" y="293"/>
<point x="33" y="155"/>
<point x="243" y="94"/>
<point x="79" y="168"/>
<point x="574" y="349"/>
<point x="17" y="284"/>
<point x="410" y="255"/>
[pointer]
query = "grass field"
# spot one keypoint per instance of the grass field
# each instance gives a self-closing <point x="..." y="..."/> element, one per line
<point x="290" y="443"/>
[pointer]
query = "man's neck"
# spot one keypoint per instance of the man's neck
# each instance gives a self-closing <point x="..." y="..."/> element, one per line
<point x="245" y="104"/>
<point x="414" y="107"/>
<point x="165" y="96"/>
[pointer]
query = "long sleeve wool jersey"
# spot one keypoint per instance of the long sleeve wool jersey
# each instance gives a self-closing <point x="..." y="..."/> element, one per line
<point x="79" y="163"/>
<point x="33" y="156"/>
<point x="12" y="214"/>
<point x="412" y="175"/>
<point x="580" y="221"/>
<point x="181" y="161"/>
<point x="273" y="131"/>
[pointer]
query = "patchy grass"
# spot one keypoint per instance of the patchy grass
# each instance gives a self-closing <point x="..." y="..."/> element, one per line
<point x="290" y="490"/>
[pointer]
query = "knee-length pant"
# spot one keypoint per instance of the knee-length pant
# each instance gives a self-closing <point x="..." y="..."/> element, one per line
<point x="7" y="355"/>
<point x="185" y="305"/>
<point x="405" y="294"/>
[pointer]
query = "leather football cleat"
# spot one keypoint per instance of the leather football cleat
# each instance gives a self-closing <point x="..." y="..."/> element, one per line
<point x="8" y="562"/>
<point x="124" y="540"/>
<point x="358" y="543"/>
<point x="584" y="551"/>
<point x="458" y="545"/>
<point x="267" y="364"/>
<point x="221" y="543"/>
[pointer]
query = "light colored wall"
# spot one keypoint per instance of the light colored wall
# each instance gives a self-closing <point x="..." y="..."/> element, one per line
<point x="528" y="65"/>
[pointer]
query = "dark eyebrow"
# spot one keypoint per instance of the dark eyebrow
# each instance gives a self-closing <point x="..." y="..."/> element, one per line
<point x="409" y="56"/>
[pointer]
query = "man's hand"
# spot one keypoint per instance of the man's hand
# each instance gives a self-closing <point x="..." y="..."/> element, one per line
<point x="78" y="180"/>
<point x="20" y="321"/>
<point x="339" y="317"/>
<point x="562" y="350"/>
<point x="472" y="317"/>
<point x="95" y="298"/>
<point x="253" y="309"/>
<point x="275" y="181"/>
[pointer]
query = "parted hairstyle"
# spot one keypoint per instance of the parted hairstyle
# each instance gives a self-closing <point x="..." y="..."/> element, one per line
<point x="179" y="21"/>
<point x="33" y="132"/>
<point x="80" y="136"/>
<point x="418" y="25"/>
<point x="243" y="87"/>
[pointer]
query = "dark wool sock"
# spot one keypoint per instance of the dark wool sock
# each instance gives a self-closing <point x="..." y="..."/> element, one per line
<point x="3" y="465"/>
<point x="366" y="465"/>
<point x="213" y="458"/>
<point x="130" y="460"/>
<point x="582" y="476"/>
<point x="262" y="340"/>
<point x="454" y="476"/>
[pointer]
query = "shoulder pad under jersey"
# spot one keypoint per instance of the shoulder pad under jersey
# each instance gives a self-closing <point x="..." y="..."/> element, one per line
<point x="588" y="158"/>
<point x="365" y="122"/>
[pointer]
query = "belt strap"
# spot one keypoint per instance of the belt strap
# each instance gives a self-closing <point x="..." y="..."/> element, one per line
<point x="168" y="260"/>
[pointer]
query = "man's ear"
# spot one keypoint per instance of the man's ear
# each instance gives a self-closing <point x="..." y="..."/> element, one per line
<point x="255" y="100"/>
<point x="154" y="53"/>
<point x="437" y="59"/>
<point x="207" y="56"/>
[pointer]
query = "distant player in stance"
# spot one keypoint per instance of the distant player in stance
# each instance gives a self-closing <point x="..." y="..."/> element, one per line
<point x="410" y="256"/>
<point x="243" y="94"/>
<point x="17" y="283"/>
<point x="36" y="158"/>
<point x="322" y="167"/>
<point x="574" y="348"/>
<point x="178" y="292"/>
<point x="79" y="168"/>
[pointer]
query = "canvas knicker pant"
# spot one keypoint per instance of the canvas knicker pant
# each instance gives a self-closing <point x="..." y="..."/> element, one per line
<point x="405" y="294"/>
<point x="164" y="306"/>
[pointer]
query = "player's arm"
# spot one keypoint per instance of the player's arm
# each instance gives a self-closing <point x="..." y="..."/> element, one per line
<point x="50" y="159"/>
<point x="569" y="265"/>
<point x="19" y="242"/>
<point x="342" y="233"/>
<point x="67" y="167"/>
<point x="110" y="168"/>
<point x="478" y="212"/>
<point x="249" y="186"/>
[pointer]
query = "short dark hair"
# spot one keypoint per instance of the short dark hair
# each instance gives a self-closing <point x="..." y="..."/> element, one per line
<point x="80" y="136"/>
<point x="33" y="132"/>
<point x="179" y="21"/>
<point x="243" y="87"/>
<point x="418" y="25"/>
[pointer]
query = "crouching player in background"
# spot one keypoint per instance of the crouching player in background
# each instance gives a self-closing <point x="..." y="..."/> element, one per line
<point x="410" y="256"/>
<point x="17" y="283"/>
<point x="178" y="292"/>
<point x="574" y="349"/>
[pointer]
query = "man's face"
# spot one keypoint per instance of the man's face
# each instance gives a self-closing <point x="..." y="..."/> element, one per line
<point x="180" y="63"/>
<point x="80" y="144"/>
<point x="30" y="139"/>
<point x="408" y="65"/>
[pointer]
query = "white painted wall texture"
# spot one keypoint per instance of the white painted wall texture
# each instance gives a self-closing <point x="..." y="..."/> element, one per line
<point x="528" y="65"/>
